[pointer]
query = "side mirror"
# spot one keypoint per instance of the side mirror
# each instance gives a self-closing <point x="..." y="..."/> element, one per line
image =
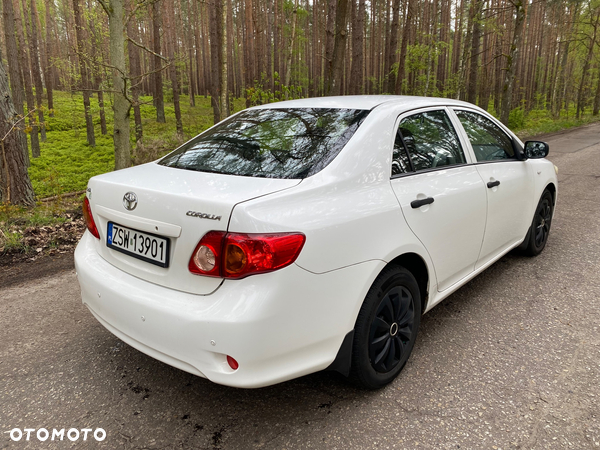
<point x="536" y="149"/>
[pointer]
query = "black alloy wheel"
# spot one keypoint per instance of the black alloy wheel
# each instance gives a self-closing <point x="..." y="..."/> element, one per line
<point x="391" y="330"/>
<point x="386" y="328"/>
<point x="540" y="227"/>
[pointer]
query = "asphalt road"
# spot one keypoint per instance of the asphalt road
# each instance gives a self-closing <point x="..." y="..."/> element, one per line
<point x="511" y="360"/>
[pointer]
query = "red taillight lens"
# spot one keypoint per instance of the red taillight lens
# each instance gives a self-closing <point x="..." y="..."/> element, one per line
<point x="89" y="218"/>
<point x="237" y="255"/>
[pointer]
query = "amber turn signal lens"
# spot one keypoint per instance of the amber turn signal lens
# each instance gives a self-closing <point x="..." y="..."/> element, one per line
<point x="235" y="259"/>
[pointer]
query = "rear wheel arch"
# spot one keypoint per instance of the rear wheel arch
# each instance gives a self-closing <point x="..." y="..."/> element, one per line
<point x="417" y="266"/>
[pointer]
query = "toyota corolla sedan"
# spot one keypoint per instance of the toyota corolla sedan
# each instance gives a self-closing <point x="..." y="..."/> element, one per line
<point x="309" y="234"/>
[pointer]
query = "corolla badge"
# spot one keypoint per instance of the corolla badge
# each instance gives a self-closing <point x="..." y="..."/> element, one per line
<point x="130" y="201"/>
<point x="201" y="215"/>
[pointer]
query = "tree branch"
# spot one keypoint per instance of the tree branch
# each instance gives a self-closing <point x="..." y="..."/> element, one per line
<point x="104" y="7"/>
<point x="143" y="47"/>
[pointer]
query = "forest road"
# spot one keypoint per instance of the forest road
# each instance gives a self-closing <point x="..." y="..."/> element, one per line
<point x="511" y="360"/>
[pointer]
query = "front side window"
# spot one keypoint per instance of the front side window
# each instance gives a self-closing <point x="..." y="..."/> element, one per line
<point x="270" y="143"/>
<point x="430" y="141"/>
<point x="488" y="140"/>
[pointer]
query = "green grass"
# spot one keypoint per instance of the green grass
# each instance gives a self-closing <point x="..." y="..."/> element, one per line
<point x="67" y="161"/>
<point x="541" y="122"/>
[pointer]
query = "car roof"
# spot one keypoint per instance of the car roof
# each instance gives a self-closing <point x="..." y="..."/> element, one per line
<point x="365" y="102"/>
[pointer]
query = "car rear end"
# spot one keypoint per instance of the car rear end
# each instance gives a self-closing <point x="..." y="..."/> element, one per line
<point x="160" y="268"/>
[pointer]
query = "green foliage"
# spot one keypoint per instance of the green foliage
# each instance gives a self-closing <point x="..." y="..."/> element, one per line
<point x="259" y="95"/>
<point x="516" y="118"/>
<point x="540" y="121"/>
<point x="67" y="162"/>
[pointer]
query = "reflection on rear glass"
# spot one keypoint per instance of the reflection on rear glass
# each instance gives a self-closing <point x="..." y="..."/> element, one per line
<point x="270" y="143"/>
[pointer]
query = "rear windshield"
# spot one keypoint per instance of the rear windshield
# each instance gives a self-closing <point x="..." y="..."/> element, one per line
<point x="270" y="143"/>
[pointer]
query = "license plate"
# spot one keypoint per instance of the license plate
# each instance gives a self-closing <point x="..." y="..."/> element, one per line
<point x="145" y="246"/>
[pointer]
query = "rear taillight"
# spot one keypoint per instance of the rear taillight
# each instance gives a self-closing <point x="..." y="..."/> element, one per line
<point x="89" y="218"/>
<point x="237" y="255"/>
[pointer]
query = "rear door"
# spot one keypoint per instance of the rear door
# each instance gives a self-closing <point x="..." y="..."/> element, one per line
<point x="508" y="182"/>
<point x="442" y="196"/>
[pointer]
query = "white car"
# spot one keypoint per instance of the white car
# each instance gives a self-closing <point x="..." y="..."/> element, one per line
<point x="309" y="234"/>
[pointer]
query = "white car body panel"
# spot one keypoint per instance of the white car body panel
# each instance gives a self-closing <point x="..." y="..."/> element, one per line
<point x="162" y="208"/>
<point x="356" y="220"/>
<point x="509" y="206"/>
<point x="452" y="227"/>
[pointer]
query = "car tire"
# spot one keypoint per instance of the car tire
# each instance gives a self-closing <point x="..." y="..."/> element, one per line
<point x="386" y="328"/>
<point x="540" y="226"/>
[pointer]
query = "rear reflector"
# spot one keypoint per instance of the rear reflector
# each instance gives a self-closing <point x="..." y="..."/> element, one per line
<point x="237" y="255"/>
<point x="89" y="218"/>
<point x="232" y="363"/>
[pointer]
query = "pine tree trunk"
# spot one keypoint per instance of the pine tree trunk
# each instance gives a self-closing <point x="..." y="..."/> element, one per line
<point x="27" y="84"/>
<point x="159" y="102"/>
<point x="442" y="68"/>
<point x="170" y="44"/>
<point x="223" y="100"/>
<point x="357" y="84"/>
<point x="406" y="32"/>
<point x="512" y="62"/>
<point x="390" y="80"/>
<point x="16" y="83"/>
<point x="586" y="67"/>
<point x="120" y="103"/>
<point x="99" y="92"/>
<point x="249" y="54"/>
<point x="15" y="186"/>
<point x="48" y="75"/>
<point x="339" y="48"/>
<point x="329" y="43"/>
<point x="474" y="57"/>
<point x="597" y="96"/>
<point x="215" y="52"/>
<point x="35" y="68"/>
<point x="83" y="70"/>
<point x="288" y="62"/>
<point x="135" y="72"/>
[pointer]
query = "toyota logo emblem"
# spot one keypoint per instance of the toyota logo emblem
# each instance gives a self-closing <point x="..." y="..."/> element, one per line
<point x="130" y="201"/>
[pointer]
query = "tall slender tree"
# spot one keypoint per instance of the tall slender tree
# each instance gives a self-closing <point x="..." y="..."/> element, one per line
<point x="159" y="101"/>
<point x="15" y="185"/>
<point x="14" y="70"/>
<point x="84" y="71"/>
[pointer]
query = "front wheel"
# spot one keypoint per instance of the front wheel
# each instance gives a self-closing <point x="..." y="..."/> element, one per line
<point x="386" y="328"/>
<point x="540" y="226"/>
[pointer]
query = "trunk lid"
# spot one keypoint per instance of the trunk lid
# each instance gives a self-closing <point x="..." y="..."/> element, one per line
<point x="175" y="204"/>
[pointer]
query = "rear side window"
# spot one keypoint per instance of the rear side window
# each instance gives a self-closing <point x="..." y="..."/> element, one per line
<point x="488" y="140"/>
<point x="430" y="142"/>
<point x="270" y="143"/>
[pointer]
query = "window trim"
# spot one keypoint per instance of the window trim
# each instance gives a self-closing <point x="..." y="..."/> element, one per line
<point x="433" y="169"/>
<point x="466" y="150"/>
<point x="514" y="140"/>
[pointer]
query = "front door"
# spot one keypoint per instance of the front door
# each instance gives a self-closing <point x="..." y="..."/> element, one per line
<point x="508" y="184"/>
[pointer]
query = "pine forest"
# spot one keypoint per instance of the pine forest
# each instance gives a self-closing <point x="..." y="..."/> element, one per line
<point x="510" y="57"/>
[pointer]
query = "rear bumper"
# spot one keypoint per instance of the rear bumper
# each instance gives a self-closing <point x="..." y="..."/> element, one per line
<point x="278" y="326"/>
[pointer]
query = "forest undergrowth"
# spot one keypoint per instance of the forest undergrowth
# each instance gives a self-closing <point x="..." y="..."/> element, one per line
<point x="67" y="162"/>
